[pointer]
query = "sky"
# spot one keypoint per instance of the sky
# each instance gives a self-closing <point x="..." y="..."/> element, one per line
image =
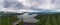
<point x="30" y="5"/>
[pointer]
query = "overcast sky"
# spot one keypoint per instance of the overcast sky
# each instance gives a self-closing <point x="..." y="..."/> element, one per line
<point x="30" y="5"/>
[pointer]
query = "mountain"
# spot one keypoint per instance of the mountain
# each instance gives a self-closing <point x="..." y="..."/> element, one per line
<point x="29" y="13"/>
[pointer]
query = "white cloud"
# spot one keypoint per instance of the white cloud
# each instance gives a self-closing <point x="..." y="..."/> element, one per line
<point x="38" y="4"/>
<point x="15" y="10"/>
<point x="25" y="2"/>
<point x="1" y="1"/>
<point x="7" y="10"/>
<point x="26" y="10"/>
<point x="45" y="5"/>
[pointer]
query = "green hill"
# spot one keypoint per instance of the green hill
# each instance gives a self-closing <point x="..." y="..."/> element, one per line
<point x="7" y="18"/>
<point x="48" y="19"/>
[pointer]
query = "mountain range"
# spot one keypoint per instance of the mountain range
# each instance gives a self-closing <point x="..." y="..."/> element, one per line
<point x="29" y="13"/>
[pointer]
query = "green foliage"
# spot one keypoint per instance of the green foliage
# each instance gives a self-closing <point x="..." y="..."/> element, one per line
<point x="48" y="19"/>
<point x="7" y="19"/>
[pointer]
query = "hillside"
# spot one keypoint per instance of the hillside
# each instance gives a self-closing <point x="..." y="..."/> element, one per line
<point x="48" y="19"/>
<point x="8" y="18"/>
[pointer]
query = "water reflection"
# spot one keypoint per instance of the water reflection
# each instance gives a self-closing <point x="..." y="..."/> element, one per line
<point x="28" y="18"/>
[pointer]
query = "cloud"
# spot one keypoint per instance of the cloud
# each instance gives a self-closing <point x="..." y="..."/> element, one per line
<point x="7" y="10"/>
<point x="12" y="3"/>
<point x="30" y="5"/>
<point x="50" y="5"/>
<point x="41" y="5"/>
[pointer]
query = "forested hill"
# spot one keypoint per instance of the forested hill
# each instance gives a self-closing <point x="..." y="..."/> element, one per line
<point x="7" y="18"/>
<point x="48" y="19"/>
<point x="29" y="13"/>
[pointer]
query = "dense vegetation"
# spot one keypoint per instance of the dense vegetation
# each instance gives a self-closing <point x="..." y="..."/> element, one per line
<point x="7" y="18"/>
<point x="48" y="19"/>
